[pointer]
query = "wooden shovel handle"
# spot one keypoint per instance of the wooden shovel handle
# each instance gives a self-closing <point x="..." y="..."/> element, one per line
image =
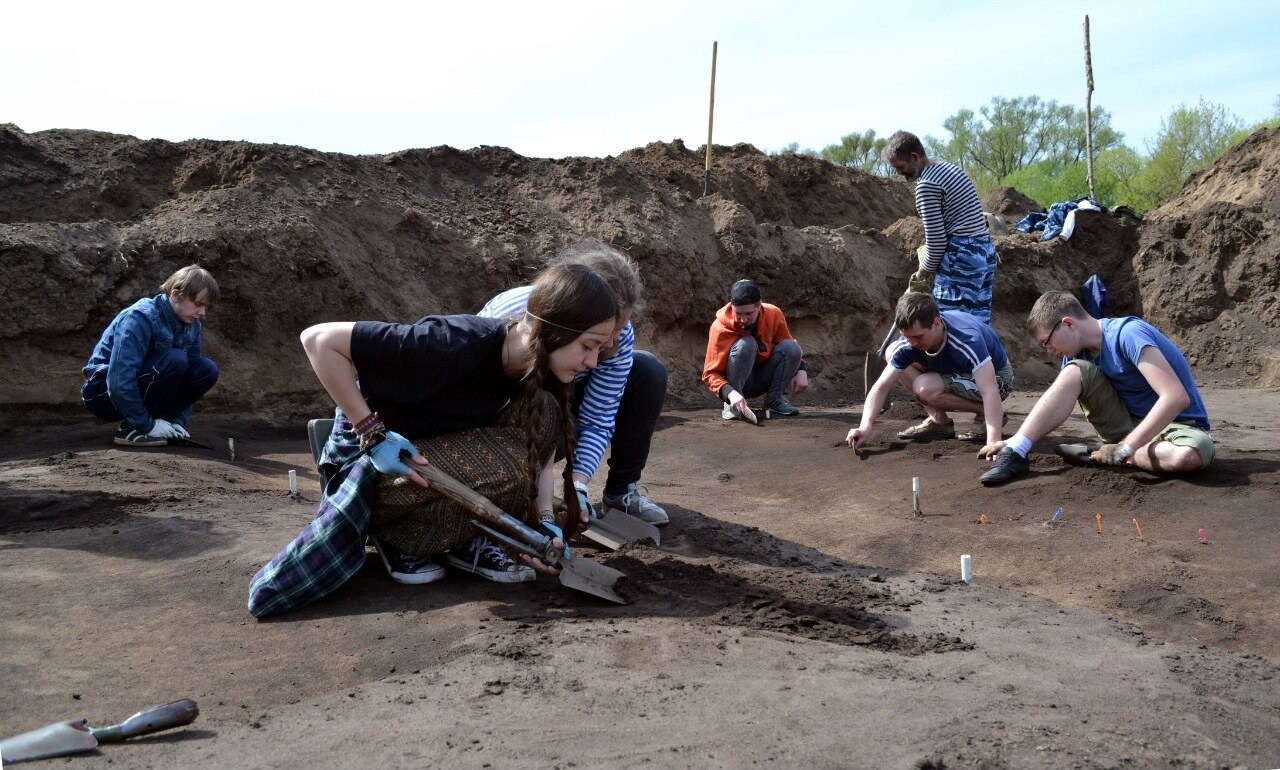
<point x="461" y="493"/>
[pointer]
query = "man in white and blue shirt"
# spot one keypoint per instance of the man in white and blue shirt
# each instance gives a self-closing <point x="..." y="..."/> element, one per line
<point x="952" y="362"/>
<point x="617" y="404"/>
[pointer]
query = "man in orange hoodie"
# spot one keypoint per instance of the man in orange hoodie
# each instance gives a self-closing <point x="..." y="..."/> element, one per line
<point x="750" y="352"/>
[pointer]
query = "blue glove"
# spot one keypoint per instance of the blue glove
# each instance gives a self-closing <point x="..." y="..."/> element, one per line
<point x="554" y="531"/>
<point x="584" y="502"/>
<point x="386" y="454"/>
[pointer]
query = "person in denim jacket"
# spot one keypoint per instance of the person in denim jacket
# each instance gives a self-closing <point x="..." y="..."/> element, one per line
<point x="147" y="369"/>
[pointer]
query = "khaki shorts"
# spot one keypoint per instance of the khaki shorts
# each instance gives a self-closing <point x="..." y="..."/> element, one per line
<point x="1108" y="415"/>
<point x="964" y="386"/>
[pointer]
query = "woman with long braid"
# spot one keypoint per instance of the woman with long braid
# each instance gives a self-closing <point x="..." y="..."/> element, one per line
<point x="485" y="400"/>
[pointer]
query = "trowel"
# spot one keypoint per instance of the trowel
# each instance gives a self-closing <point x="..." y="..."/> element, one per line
<point x="75" y="736"/>
<point x="614" y="529"/>
<point x="575" y="572"/>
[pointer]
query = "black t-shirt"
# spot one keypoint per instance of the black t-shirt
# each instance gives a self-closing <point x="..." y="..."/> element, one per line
<point x="438" y="375"/>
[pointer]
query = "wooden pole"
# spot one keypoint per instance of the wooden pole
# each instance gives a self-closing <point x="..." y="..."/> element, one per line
<point x="1088" y="109"/>
<point x="711" y="111"/>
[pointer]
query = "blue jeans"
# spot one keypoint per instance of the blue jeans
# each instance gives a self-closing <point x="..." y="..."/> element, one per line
<point x="170" y="384"/>
<point x="772" y="379"/>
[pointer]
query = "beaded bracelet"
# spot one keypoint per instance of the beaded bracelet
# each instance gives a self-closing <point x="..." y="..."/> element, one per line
<point x="547" y="514"/>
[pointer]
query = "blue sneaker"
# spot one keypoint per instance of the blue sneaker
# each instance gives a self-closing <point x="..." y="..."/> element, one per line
<point x="127" y="436"/>
<point x="407" y="569"/>
<point x="486" y="558"/>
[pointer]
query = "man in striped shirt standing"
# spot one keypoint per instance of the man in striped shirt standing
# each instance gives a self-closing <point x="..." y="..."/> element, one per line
<point x="958" y="253"/>
<point x="619" y="401"/>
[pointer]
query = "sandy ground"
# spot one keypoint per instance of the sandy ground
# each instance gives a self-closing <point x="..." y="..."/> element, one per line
<point x="797" y="613"/>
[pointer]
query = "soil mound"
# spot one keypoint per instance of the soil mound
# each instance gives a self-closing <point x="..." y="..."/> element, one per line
<point x="1010" y="204"/>
<point x="1208" y="264"/>
<point x="91" y="221"/>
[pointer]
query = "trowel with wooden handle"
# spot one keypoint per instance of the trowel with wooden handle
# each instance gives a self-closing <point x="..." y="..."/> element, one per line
<point x="75" y="736"/>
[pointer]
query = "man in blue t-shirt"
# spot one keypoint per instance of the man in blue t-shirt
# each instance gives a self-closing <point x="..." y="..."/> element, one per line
<point x="952" y="362"/>
<point x="1134" y="386"/>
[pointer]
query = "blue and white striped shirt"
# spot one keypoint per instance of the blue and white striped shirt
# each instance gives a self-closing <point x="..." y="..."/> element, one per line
<point x="949" y="206"/>
<point x="599" y="408"/>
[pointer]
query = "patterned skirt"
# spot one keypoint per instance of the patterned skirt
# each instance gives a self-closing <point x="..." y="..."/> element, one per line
<point x="493" y="460"/>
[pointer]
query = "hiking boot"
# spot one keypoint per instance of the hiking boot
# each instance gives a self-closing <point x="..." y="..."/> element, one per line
<point x="782" y="407"/>
<point x="1007" y="465"/>
<point x="1077" y="454"/>
<point x="486" y="558"/>
<point x="633" y="503"/>
<point x="127" y="436"/>
<point x="404" y="568"/>
<point x="929" y="429"/>
<point x="728" y="413"/>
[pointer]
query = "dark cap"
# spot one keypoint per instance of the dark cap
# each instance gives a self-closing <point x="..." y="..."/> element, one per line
<point x="744" y="292"/>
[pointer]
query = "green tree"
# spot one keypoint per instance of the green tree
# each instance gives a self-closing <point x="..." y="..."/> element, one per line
<point x="858" y="151"/>
<point x="1011" y="134"/>
<point x="1190" y="139"/>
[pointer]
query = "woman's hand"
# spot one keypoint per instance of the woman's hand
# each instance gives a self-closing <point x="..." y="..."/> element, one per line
<point x="389" y="456"/>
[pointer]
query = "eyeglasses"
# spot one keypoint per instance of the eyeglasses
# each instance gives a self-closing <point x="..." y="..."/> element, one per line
<point x="1045" y="343"/>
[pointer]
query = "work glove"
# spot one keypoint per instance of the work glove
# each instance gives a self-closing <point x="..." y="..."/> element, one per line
<point x="386" y="454"/>
<point x="180" y="431"/>
<point x="1113" y="454"/>
<point x="989" y="451"/>
<point x="162" y="429"/>
<point x="584" y="500"/>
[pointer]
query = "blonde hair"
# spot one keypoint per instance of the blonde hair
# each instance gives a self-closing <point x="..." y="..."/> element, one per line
<point x="1051" y="308"/>
<point x="191" y="282"/>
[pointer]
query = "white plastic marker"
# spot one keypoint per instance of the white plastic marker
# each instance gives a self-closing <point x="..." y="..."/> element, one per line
<point x="966" y="568"/>
<point x="293" y="483"/>
<point x="768" y="414"/>
<point x="231" y="447"/>
<point x="915" y="494"/>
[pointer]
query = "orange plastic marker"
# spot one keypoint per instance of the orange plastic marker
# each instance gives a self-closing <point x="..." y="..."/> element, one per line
<point x="1098" y="516"/>
<point x="1139" y="528"/>
<point x="982" y="519"/>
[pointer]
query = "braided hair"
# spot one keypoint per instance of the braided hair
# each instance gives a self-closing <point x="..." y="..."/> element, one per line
<point x="566" y="300"/>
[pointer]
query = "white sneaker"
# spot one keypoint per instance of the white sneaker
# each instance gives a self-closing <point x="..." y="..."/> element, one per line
<point x="635" y="504"/>
<point x="728" y="413"/>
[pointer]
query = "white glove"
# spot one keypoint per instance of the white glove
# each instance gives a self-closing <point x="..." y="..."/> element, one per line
<point x="179" y="431"/>
<point x="162" y="429"/>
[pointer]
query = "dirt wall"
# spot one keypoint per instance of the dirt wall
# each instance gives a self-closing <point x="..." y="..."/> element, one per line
<point x="91" y="221"/>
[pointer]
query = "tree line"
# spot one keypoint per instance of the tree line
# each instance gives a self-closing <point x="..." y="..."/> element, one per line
<point x="1039" y="148"/>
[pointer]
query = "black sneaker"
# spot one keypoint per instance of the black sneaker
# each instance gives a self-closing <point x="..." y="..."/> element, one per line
<point x="1007" y="465"/>
<point x="127" y="436"/>
<point x="782" y="407"/>
<point x="404" y="568"/>
<point x="486" y="558"/>
<point x="1077" y="454"/>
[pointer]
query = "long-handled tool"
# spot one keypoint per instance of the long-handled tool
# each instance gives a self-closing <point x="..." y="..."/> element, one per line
<point x="575" y="572"/>
<point x="75" y="736"/>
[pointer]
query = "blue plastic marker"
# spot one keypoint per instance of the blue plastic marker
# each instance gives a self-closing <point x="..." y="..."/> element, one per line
<point x="1056" y="514"/>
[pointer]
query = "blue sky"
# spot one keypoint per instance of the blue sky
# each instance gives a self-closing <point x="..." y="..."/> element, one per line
<point x="559" y="78"/>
